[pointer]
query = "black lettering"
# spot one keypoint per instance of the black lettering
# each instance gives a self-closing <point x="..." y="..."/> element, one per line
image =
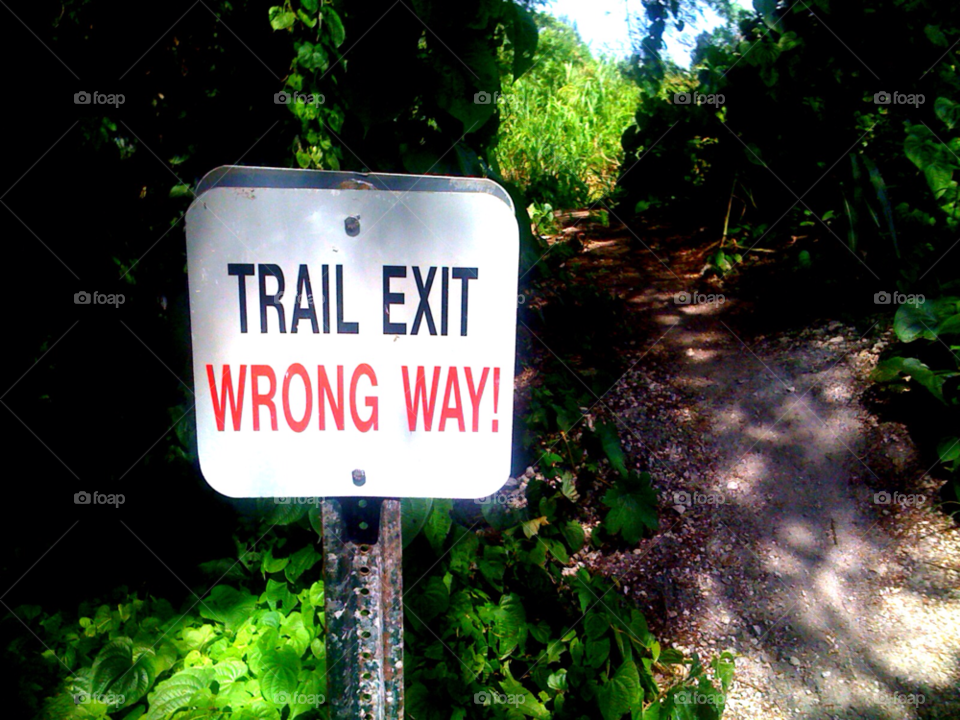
<point x="242" y="271"/>
<point x="325" y="291"/>
<point x="464" y="275"/>
<point x="343" y="328"/>
<point x="271" y="300"/>
<point x="423" y="309"/>
<point x="310" y="312"/>
<point x="392" y="298"/>
<point x="444" y="298"/>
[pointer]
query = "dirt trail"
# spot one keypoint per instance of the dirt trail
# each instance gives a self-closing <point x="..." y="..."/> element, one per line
<point x="774" y="542"/>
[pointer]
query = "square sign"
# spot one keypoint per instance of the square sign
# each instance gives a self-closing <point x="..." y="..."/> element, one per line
<point x="353" y="334"/>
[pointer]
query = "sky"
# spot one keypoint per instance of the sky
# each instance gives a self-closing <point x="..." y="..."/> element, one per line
<point x="603" y="26"/>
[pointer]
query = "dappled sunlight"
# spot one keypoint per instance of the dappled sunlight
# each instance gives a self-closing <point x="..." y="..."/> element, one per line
<point x="700" y="355"/>
<point x="707" y="308"/>
<point x="666" y="319"/>
<point x="698" y="338"/>
<point x="799" y="535"/>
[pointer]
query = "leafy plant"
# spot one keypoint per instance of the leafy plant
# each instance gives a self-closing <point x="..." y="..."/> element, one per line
<point x="936" y="323"/>
<point x="562" y="121"/>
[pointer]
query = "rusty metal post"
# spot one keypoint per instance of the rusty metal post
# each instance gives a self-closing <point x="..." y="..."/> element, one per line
<point x="362" y="553"/>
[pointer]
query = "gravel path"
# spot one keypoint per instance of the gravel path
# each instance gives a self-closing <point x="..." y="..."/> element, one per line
<point x="798" y="530"/>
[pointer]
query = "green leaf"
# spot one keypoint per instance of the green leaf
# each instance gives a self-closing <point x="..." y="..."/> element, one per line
<point x="532" y="526"/>
<point x="633" y="507"/>
<point x="278" y="594"/>
<point x="767" y="9"/>
<point x="619" y="693"/>
<point x="556" y="549"/>
<point x="279" y="670"/>
<point x="574" y="535"/>
<point x="270" y="564"/>
<point x="413" y="516"/>
<point x="568" y="486"/>
<point x="597" y="651"/>
<point x="912" y="367"/>
<point x="432" y="600"/>
<point x="177" y="691"/>
<point x="558" y="680"/>
<point x="438" y="523"/>
<point x="723" y="667"/>
<point x="123" y="669"/>
<point x="179" y="190"/>
<point x="921" y="146"/>
<point x="229" y="606"/>
<point x="493" y="564"/>
<point x="949" y="449"/>
<point x="915" y="320"/>
<point x="610" y="441"/>
<point x="228" y="671"/>
<point x="299" y="637"/>
<point x="530" y="705"/>
<point x="280" y="513"/>
<point x="935" y="35"/>
<point x="595" y="625"/>
<point x="523" y="35"/>
<point x="334" y="26"/>
<point x="280" y="20"/>
<point x="312" y="57"/>
<point x="306" y="19"/>
<point x="301" y="561"/>
<point x="510" y="625"/>
<point x="948" y="111"/>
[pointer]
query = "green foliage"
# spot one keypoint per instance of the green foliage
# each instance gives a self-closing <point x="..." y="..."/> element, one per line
<point x="811" y="153"/>
<point x="502" y="614"/>
<point x="633" y="507"/>
<point x="936" y="323"/>
<point x="247" y="649"/>
<point x="561" y="123"/>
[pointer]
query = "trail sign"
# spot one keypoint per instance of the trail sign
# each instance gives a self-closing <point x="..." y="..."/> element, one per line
<point x="353" y="334"/>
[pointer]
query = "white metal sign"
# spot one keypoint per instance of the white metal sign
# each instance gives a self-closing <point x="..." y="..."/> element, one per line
<point x="353" y="335"/>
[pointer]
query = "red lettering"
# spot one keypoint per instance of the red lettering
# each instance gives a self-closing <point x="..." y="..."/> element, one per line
<point x="476" y="395"/>
<point x="455" y="412"/>
<point x="226" y="390"/>
<point x="363" y="425"/>
<point x="420" y="393"/>
<point x="325" y="391"/>
<point x="258" y="398"/>
<point x="297" y="425"/>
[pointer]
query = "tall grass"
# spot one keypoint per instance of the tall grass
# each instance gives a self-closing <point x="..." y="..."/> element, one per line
<point x="561" y="122"/>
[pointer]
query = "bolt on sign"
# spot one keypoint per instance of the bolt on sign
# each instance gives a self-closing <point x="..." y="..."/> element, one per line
<point x="353" y="334"/>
